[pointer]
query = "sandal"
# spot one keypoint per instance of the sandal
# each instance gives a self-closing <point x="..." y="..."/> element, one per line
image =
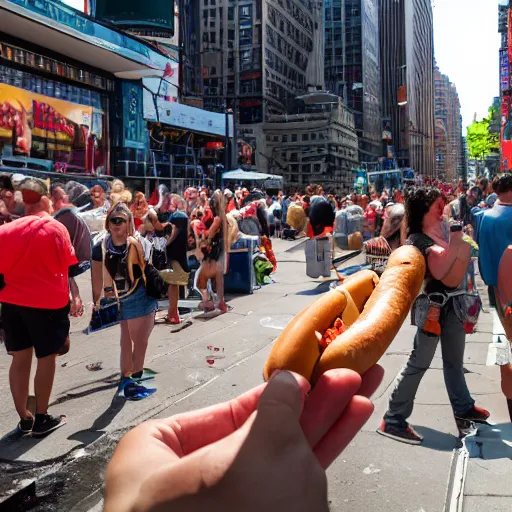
<point x="207" y="306"/>
<point x="175" y="320"/>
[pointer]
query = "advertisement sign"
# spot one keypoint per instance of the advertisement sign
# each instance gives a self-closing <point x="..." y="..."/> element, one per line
<point x="185" y="117"/>
<point x="134" y="13"/>
<point x="34" y="124"/>
<point x="506" y="134"/>
<point x="510" y="34"/>
<point x="504" y="71"/>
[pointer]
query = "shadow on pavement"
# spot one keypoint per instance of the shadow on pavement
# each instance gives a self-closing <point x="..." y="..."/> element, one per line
<point x="435" y="440"/>
<point x="13" y="445"/>
<point x="491" y="442"/>
<point x="321" y="288"/>
<point x="97" y="429"/>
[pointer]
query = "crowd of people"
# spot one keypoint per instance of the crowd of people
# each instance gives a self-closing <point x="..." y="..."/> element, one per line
<point x="277" y="435"/>
<point x="55" y="231"/>
<point x="47" y="228"/>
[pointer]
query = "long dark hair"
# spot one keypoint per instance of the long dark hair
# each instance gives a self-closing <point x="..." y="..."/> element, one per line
<point x="418" y="201"/>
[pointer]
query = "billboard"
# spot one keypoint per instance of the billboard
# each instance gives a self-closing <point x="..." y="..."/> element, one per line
<point x="27" y="119"/>
<point x="504" y="71"/>
<point x="157" y="14"/>
<point x="506" y="134"/>
<point x="45" y="128"/>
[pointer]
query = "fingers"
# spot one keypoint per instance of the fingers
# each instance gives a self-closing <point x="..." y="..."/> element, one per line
<point x="343" y="431"/>
<point x="371" y="381"/>
<point x="186" y="433"/>
<point x="331" y="395"/>
<point x="279" y="411"/>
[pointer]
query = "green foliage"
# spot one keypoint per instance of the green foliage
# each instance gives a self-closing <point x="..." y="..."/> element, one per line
<point x="481" y="142"/>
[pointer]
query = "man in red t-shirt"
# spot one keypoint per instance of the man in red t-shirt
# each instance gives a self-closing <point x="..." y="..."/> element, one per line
<point x="34" y="294"/>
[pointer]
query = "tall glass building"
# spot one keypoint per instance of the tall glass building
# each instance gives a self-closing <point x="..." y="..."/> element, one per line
<point x="352" y="66"/>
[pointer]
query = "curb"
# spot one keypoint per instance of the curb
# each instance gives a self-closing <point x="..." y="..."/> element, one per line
<point x="457" y="480"/>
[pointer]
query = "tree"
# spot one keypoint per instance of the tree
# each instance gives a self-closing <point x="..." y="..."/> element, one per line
<point x="481" y="142"/>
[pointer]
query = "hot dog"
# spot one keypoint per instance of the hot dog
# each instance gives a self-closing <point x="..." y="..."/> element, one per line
<point x="367" y="336"/>
<point x="297" y="348"/>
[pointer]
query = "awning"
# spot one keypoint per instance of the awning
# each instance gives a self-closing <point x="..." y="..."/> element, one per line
<point x="64" y="30"/>
<point x="241" y="175"/>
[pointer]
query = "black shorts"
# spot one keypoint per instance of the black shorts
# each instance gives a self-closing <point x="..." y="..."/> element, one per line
<point x="46" y="330"/>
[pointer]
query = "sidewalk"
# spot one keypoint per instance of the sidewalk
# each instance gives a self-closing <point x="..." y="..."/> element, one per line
<point x="482" y="467"/>
<point x="374" y="474"/>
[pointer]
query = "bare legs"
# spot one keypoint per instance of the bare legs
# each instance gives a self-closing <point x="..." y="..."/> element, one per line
<point x="174" y="295"/>
<point x="19" y="378"/>
<point x="204" y="274"/>
<point x="219" y="286"/>
<point x="43" y="382"/>
<point x="134" y="343"/>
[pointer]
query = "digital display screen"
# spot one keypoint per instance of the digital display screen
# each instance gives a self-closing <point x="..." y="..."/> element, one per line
<point x="134" y="13"/>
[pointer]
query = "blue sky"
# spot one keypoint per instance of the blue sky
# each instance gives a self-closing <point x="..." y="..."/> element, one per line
<point x="466" y="45"/>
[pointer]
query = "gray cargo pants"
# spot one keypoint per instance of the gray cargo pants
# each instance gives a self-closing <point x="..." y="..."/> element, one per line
<point x="453" y="341"/>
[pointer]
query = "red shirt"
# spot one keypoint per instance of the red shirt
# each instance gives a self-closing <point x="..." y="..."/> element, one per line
<point x="35" y="258"/>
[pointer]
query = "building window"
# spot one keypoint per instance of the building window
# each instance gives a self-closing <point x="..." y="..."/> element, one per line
<point x="305" y="136"/>
<point x="294" y="137"/>
<point x="245" y="13"/>
<point x="285" y="138"/>
<point x="231" y="13"/>
<point x="246" y="37"/>
<point x="250" y="115"/>
<point x="313" y="136"/>
<point x="213" y="37"/>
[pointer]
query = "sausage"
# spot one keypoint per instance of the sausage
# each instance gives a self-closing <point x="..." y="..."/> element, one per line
<point x="366" y="341"/>
<point x="372" y="310"/>
<point x="297" y="348"/>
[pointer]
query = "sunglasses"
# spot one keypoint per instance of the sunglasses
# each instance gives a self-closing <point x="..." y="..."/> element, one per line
<point x="117" y="221"/>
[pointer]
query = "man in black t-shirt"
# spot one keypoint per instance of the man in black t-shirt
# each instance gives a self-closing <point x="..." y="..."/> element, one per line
<point x="177" y="245"/>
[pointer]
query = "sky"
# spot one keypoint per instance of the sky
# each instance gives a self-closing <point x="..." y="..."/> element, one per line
<point x="466" y="46"/>
<point x="467" y="42"/>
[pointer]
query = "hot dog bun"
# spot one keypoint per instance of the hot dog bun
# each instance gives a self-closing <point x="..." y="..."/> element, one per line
<point x="366" y="341"/>
<point x="297" y="348"/>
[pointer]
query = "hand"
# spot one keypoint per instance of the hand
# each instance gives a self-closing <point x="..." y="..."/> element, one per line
<point x="77" y="307"/>
<point x="266" y="450"/>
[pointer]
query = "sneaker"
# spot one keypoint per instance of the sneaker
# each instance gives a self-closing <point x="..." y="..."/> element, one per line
<point x="404" y="434"/>
<point x="475" y="414"/>
<point x="46" y="423"/>
<point x="25" y="426"/>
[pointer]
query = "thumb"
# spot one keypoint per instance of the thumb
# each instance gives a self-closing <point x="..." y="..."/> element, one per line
<point x="282" y="400"/>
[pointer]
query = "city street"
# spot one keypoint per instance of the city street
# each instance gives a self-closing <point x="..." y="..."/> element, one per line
<point x="213" y="360"/>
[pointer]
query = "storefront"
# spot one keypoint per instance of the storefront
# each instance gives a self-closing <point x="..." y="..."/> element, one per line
<point x="70" y="91"/>
<point x="188" y="144"/>
<point x="53" y="115"/>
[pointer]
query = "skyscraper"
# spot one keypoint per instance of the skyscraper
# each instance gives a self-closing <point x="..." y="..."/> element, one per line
<point x="407" y="71"/>
<point x="448" y="134"/>
<point x="352" y="64"/>
<point x="254" y="56"/>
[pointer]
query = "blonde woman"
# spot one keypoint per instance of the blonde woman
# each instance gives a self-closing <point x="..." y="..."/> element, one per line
<point x="215" y="252"/>
<point x="118" y="272"/>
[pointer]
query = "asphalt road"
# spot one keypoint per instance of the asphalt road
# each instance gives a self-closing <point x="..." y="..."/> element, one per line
<point x="373" y="474"/>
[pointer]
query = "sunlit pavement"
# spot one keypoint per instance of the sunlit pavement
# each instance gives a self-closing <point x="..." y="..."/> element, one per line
<point x="373" y="474"/>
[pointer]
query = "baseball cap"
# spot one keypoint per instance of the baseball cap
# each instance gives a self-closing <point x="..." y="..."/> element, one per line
<point x="33" y="190"/>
